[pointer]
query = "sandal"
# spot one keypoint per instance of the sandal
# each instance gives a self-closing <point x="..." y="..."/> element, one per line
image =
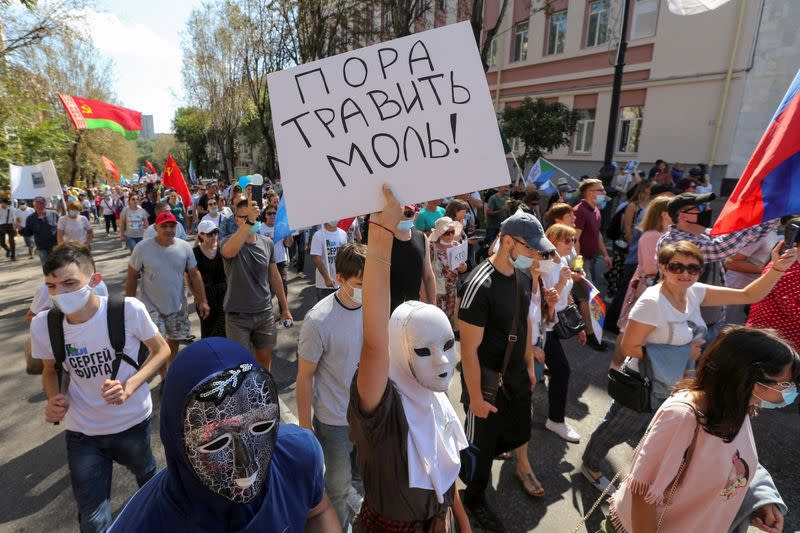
<point x="531" y="484"/>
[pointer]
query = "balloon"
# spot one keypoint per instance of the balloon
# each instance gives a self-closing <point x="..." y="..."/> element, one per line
<point x="244" y="181"/>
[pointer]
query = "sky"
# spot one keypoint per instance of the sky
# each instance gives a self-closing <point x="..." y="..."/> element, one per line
<point x="143" y="39"/>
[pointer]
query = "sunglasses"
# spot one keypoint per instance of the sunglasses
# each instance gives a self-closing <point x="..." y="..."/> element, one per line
<point x="212" y="203"/>
<point x="778" y="385"/>
<point x="544" y="255"/>
<point x="408" y="214"/>
<point x="679" y="268"/>
<point x="449" y="233"/>
<point x="271" y="213"/>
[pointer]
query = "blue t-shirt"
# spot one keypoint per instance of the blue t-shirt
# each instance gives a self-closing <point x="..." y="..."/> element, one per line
<point x="426" y="220"/>
<point x="294" y="486"/>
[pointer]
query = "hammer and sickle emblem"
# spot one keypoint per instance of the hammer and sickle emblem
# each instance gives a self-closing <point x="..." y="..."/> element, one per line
<point x="86" y="110"/>
<point x="169" y="171"/>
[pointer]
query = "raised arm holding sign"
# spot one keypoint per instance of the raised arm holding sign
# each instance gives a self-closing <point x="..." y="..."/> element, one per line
<point x="414" y="112"/>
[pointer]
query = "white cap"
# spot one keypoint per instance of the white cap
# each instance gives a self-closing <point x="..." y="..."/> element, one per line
<point x="206" y="226"/>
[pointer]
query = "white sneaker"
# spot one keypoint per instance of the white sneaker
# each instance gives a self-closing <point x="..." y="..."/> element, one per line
<point x="563" y="430"/>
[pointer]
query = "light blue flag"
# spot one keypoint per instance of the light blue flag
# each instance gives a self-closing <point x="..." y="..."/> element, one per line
<point x="282" y="229"/>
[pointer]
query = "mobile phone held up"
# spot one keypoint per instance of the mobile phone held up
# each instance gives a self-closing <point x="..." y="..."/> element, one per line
<point x="790" y="235"/>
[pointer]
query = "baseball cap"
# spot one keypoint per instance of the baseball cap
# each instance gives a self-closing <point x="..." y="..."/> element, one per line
<point x="166" y="216"/>
<point x="527" y="227"/>
<point x="688" y="199"/>
<point x="661" y="188"/>
<point x="205" y="226"/>
<point x="695" y="171"/>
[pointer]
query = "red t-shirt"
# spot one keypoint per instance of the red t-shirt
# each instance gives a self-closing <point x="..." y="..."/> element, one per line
<point x="587" y="219"/>
<point x="779" y="309"/>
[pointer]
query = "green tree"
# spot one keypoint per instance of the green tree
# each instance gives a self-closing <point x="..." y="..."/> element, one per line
<point x="542" y="127"/>
<point x="192" y="126"/>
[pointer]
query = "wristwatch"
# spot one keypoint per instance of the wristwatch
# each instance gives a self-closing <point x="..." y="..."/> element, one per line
<point x="247" y="221"/>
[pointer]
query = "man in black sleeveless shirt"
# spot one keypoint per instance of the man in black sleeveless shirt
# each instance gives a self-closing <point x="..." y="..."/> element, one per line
<point x="412" y="273"/>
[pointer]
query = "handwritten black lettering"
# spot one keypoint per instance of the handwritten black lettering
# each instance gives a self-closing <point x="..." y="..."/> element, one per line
<point x="385" y="102"/>
<point x="350" y="61"/>
<point x="392" y="143"/>
<point x="352" y="114"/>
<point x="384" y="65"/>
<point x="353" y="150"/>
<point x="296" y="121"/>
<point x="426" y="56"/>
<point x="300" y="90"/>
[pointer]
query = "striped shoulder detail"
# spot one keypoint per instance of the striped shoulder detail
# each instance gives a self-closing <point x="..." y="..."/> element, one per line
<point x="480" y="276"/>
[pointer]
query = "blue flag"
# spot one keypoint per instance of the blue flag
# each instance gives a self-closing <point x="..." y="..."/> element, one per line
<point x="192" y="175"/>
<point x="282" y="229"/>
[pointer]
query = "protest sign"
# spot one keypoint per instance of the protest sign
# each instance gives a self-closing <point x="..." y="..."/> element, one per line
<point x="413" y="112"/>
<point x="457" y="255"/>
<point x="34" y="180"/>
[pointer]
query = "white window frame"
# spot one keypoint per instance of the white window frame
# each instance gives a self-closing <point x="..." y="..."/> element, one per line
<point x="521" y="41"/>
<point x="491" y="57"/>
<point x="553" y="33"/>
<point x="517" y="146"/>
<point x="628" y="125"/>
<point x="581" y="131"/>
<point x="600" y="15"/>
<point x="643" y="8"/>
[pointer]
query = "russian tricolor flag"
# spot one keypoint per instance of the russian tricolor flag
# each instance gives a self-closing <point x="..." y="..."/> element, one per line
<point x="769" y="187"/>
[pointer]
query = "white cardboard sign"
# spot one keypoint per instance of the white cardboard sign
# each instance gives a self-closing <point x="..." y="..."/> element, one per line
<point x="35" y="180"/>
<point x="413" y="112"/>
<point x="457" y="255"/>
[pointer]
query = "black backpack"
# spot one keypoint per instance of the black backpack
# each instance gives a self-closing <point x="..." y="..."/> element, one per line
<point x="115" y="318"/>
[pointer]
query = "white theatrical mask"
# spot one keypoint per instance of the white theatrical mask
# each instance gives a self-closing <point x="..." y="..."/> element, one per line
<point x="429" y="346"/>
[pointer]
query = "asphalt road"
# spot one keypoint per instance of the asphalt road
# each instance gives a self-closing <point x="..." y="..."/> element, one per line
<point x="36" y="493"/>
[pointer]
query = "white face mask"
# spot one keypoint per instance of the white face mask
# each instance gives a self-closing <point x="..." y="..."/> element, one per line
<point x="356" y="296"/>
<point x="430" y="348"/>
<point x="547" y="265"/>
<point x="72" y="302"/>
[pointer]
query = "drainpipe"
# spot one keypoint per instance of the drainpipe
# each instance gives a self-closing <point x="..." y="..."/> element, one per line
<point x="726" y="87"/>
<point x="500" y="54"/>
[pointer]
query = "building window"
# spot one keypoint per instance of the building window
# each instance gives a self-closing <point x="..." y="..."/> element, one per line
<point x="557" y="32"/>
<point x="516" y="145"/>
<point x="597" y="33"/>
<point x="630" y="129"/>
<point x="645" y="15"/>
<point x="441" y="5"/>
<point x="584" y="132"/>
<point x="491" y="58"/>
<point x="521" y="42"/>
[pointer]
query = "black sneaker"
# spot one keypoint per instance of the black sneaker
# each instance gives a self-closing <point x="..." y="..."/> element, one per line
<point x="594" y="344"/>
<point x="485" y="517"/>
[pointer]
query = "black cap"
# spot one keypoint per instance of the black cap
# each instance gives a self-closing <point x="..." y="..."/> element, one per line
<point x="661" y="188"/>
<point x="687" y="199"/>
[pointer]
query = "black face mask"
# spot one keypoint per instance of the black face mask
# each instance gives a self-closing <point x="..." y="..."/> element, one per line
<point x="704" y="218"/>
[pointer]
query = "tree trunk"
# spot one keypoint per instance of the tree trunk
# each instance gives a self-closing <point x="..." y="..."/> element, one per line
<point x="73" y="159"/>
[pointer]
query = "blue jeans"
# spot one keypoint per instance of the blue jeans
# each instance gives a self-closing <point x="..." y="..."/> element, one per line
<point x="90" y="460"/>
<point x="43" y="255"/>
<point x="336" y="447"/>
<point x="131" y="242"/>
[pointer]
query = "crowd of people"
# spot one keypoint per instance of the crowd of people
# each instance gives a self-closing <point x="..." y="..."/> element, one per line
<point x="490" y="286"/>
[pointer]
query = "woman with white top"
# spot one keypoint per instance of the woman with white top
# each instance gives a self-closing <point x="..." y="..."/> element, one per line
<point x="214" y="215"/>
<point x="74" y="226"/>
<point x="557" y="275"/>
<point x="133" y="221"/>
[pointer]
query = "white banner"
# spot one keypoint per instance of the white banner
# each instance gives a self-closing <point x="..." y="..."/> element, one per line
<point x="35" y="180"/>
<point x="413" y="112"/>
<point x="457" y="255"/>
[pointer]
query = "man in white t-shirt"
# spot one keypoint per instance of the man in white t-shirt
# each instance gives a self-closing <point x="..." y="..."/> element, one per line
<point x="328" y="354"/>
<point x="324" y="245"/>
<point x="21" y="215"/>
<point x="107" y="417"/>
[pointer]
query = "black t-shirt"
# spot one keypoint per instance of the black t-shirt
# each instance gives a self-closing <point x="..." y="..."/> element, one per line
<point x="405" y="278"/>
<point x="487" y="300"/>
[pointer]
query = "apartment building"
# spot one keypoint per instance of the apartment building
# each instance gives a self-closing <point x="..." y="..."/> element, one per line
<point x="675" y="75"/>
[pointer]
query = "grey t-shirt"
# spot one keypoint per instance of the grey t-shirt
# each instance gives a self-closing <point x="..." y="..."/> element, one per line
<point x="331" y="337"/>
<point x="248" y="277"/>
<point x="162" y="269"/>
<point x="135" y="221"/>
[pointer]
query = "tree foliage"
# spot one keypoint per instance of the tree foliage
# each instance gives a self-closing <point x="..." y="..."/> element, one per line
<point x="192" y="126"/>
<point x="541" y="126"/>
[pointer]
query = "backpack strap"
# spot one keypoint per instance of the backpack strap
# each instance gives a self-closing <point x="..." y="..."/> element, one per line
<point x="55" y="330"/>
<point x="115" y="316"/>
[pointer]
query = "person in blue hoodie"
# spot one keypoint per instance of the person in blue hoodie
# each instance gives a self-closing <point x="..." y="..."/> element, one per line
<point x="231" y="464"/>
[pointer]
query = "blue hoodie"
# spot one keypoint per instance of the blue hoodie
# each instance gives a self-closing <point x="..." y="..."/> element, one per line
<point x="175" y="500"/>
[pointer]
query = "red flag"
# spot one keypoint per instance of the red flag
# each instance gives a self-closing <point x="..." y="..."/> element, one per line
<point x="90" y="114"/>
<point x="150" y="167"/>
<point x="110" y="166"/>
<point x="345" y="223"/>
<point x="173" y="178"/>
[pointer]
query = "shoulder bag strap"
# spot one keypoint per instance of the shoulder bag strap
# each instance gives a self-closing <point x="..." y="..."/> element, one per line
<point x="55" y="330"/>
<point x="512" y="337"/>
<point x="115" y="317"/>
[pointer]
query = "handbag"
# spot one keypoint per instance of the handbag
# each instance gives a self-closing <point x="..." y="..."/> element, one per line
<point x="630" y="389"/>
<point x="491" y="380"/>
<point x="606" y="524"/>
<point x="568" y="322"/>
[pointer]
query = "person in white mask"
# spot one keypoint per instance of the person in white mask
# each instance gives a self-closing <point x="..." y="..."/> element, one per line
<point x="557" y="275"/>
<point x="328" y="353"/>
<point x="106" y="403"/>
<point x="406" y="432"/>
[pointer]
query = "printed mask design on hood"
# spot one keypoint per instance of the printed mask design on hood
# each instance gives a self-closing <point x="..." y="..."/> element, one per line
<point x="230" y="428"/>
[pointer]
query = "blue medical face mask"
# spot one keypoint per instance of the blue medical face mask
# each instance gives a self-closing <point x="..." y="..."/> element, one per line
<point x="789" y="396"/>
<point x="405" y="225"/>
<point x="521" y="262"/>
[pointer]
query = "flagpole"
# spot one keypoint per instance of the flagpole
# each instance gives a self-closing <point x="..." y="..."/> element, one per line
<point x="561" y="170"/>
